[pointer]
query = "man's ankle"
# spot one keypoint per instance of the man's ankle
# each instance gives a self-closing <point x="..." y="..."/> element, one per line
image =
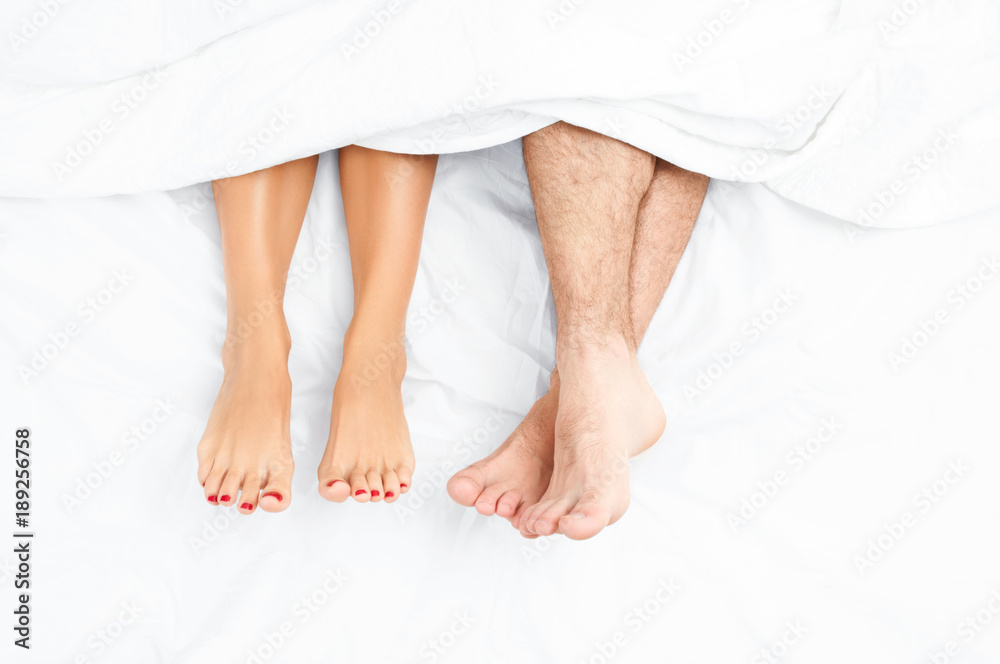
<point x="583" y="345"/>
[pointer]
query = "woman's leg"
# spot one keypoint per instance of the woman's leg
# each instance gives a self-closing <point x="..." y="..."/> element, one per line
<point x="247" y="443"/>
<point x="368" y="455"/>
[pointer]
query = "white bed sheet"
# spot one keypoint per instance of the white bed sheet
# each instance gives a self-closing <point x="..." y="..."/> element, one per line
<point x="426" y="580"/>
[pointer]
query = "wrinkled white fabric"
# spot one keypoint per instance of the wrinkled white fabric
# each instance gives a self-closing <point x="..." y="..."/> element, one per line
<point x="816" y="310"/>
<point x="786" y="323"/>
<point x="883" y="113"/>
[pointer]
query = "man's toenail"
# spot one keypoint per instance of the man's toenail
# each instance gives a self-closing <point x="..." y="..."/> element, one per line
<point x="359" y="492"/>
<point x="213" y="499"/>
<point x="375" y="493"/>
<point x="246" y="506"/>
<point x="274" y="494"/>
<point x="223" y="499"/>
<point x="389" y="494"/>
<point x="577" y="515"/>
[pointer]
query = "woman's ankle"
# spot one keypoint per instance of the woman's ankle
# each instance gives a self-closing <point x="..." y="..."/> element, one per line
<point x="370" y="357"/>
<point x="267" y="342"/>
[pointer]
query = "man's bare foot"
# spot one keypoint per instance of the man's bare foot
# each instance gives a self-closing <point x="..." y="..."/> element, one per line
<point x="368" y="455"/>
<point x="247" y="443"/>
<point x="515" y="475"/>
<point x="607" y="414"/>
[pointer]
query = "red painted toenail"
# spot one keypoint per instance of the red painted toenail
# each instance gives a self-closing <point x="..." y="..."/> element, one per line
<point x="223" y="499"/>
<point x="213" y="499"/>
<point x="274" y="494"/>
<point x="246" y="506"/>
<point x="334" y="482"/>
<point x="402" y="486"/>
<point x="389" y="494"/>
<point x="375" y="493"/>
<point x="359" y="492"/>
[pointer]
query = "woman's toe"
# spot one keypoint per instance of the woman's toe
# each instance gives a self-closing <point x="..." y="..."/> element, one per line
<point x="405" y="476"/>
<point x="214" y="483"/>
<point x="275" y="496"/>
<point x="335" y="487"/>
<point x="229" y="491"/>
<point x="375" y="489"/>
<point x="359" y="487"/>
<point x="390" y="485"/>
<point x="250" y="494"/>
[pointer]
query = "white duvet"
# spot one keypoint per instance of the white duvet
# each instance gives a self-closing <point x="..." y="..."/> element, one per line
<point x="827" y="487"/>
<point x="883" y="113"/>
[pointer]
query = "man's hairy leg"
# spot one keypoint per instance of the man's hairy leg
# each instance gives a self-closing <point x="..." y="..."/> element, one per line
<point x="517" y="473"/>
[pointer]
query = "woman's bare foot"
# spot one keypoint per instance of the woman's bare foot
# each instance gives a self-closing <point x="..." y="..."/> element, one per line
<point x="516" y="474"/>
<point x="607" y="414"/>
<point x="368" y="455"/>
<point x="247" y="443"/>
